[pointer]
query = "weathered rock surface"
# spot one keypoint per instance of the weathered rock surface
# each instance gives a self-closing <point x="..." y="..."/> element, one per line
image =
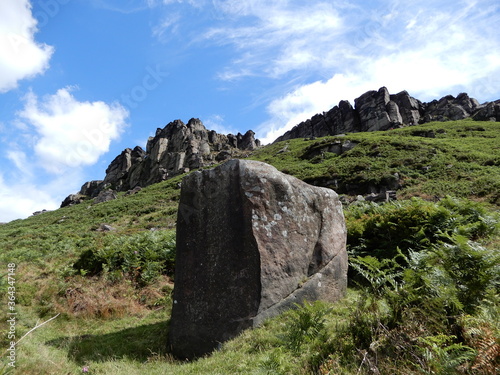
<point x="379" y="110"/>
<point x="36" y="213"/>
<point x="105" y="196"/>
<point x="175" y="149"/>
<point x="251" y="242"/>
<point x="72" y="199"/>
<point x="488" y="112"/>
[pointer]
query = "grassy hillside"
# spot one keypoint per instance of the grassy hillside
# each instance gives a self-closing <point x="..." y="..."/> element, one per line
<point x="462" y="159"/>
<point x="425" y="272"/>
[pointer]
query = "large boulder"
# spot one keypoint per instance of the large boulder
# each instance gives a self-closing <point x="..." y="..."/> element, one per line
<point x="251" y="242"/>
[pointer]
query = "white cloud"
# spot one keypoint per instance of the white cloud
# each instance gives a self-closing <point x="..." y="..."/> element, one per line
<point x="70" y="133"/>
<point x="168" y="23"/>
<point x="326" y="51"/>
<point x="20" y="160"/>
<point x="30" y="196"/>
<point x="429" y="49"/>
<point x="277" y="37"/>
<point x="48" y="146"/>
<point x="125" y="7"/>
<point x="20" y="55"/>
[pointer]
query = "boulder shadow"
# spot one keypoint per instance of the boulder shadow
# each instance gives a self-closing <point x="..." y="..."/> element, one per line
<point x="137" y="343"/>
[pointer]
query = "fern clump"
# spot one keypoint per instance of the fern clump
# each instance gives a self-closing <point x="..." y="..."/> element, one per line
<point x="380" y="230"/>
<point x="141" y="257"/>
<point x="424" y="280"/>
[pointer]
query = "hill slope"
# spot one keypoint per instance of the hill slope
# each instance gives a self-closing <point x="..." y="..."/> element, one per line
<point x="112" y="285"/>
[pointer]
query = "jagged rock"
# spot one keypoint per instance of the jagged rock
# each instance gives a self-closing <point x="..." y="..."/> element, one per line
<point x="73" y="199"/>
<point x="248" y="141"/>
<point x="409" y="108"/>
<point x="91" y="188"/>
<point x="223" y="155"/>
<point x="340" y="119"/>
<point x="118" y="172"/>
<point x="467" y="103"/>
<point x="488" y="112"/>
<point x="272" y="241"/>
<point x="177" y="148"/>
<point x="105" y="196"/>
<point x="445" y="109"/>
<point x="378" y="110"/>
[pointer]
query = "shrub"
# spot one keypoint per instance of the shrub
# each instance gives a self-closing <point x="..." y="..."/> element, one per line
<point x="305" y="324"/>
<point x="415" y="224"/>
<point x="461" y="273"/>
<point x="415" y="304"/>
<point x="140" y="257"/>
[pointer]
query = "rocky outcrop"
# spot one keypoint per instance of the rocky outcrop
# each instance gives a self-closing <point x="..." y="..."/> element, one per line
<point x="251" y="242"/>
<point x="175" y="149"/>
<point x="73" y="199"/>
<point x="488" y="112"/>
<point x="379" y="110"/>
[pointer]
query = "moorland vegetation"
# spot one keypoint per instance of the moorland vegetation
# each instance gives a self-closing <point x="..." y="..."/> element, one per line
<point x="424" y="269"/>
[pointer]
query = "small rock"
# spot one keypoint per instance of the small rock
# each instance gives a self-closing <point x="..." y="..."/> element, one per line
<point x="134" y="191"/>
<point x="105" y="228"/>
<point x="36" y="213"/>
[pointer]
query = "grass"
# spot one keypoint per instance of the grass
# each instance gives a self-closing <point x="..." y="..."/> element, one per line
<point x="112" y="320"/>
<point x="462" y="160"/>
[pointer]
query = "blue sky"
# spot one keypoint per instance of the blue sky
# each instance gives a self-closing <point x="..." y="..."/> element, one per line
<point x="81" y="80"/>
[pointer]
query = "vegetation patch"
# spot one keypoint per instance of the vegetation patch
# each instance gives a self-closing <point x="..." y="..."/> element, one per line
<point x="424" y="270"/>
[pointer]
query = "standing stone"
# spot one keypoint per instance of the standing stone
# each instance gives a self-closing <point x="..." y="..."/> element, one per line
<point x="251" y="242"/>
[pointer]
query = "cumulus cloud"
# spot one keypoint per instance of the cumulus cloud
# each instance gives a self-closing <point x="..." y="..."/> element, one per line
<point x="49" y="145"/>
<point x="30" y="196"/>
<point x="20" y="55"/>
<point x="27" y="198"/>
<point x="70" y="133"/>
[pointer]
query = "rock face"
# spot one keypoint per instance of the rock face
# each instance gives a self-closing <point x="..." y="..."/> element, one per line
<point x="379" y="110"/>
<point x="251" y="242"/>
<point x="175" y="149"/>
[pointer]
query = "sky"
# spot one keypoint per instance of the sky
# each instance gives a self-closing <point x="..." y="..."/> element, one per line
<point x="81" y="80"/>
